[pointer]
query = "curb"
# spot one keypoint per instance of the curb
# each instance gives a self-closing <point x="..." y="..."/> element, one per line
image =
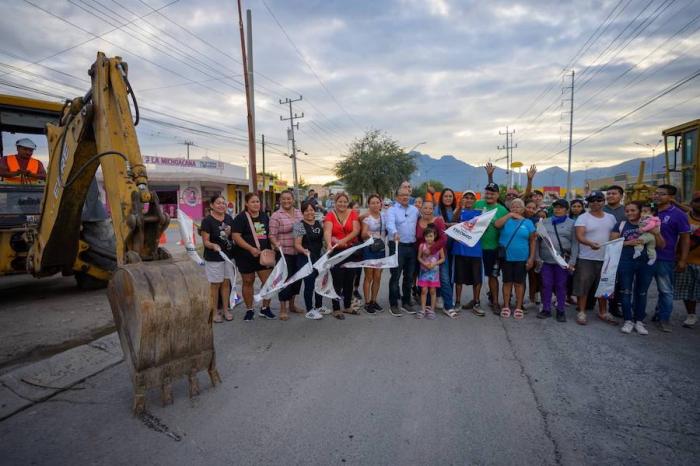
<point x="37" y="382"/>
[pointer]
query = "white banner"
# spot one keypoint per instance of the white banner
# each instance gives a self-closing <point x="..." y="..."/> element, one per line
<point x="324" y="285"/>
<point x="389" y="262"/>
<point x="186" y="233"/>
<point x="302" y="273"/>
<point x="470" y="232"/>
<point x="606" y="286"/>
<point x="325" y="262"/>
<point x="542" y="232"/>
<point x="234" y="299"/>
<point x="275" y="281"/>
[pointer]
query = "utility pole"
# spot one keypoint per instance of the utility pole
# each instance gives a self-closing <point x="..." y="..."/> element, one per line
<point x="290" y="136"/>
<point x="571" y="132"/>
<point x="509" y="154"/>
<point x="188" y="144"/>
<point x="264" y="185"/>
<point x="252" y="183"/>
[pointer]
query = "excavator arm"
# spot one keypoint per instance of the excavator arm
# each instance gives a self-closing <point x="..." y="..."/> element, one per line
<point x="97" y="130"/>
<point x="160" y="305"/>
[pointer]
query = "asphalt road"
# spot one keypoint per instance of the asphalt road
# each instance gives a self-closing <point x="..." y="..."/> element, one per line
<point x="386" y="390"/>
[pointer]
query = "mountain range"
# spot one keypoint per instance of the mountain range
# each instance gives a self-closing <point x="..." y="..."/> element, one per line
<point x="460" y="175"/>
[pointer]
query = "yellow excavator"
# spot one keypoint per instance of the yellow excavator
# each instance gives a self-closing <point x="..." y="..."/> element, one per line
<point x="160" y="305"/>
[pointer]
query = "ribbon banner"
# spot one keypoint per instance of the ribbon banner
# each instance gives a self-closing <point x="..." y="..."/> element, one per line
<point x="187" y="233"/>
<point x="542" y="233"/>
<point x="608" y="274"/>
<point x="388" y="262"/>
<point x="470" y="232"/>
<point x="275" y="281"/>
<point x="324" y="285"/>
<point x="234" y="299"/>
<point x="324" y="282"/>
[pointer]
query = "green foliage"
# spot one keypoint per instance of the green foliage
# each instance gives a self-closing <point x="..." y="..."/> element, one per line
<point x="303" y="184"/>
<point x="375" y="164"/>
<point x="423" y="188"/>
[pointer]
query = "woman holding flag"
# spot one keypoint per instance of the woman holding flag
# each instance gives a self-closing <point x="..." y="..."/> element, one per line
<point x="557" y="251"/>
<point x="340" y="230"/>
<point x="282" y="238"/>
<point x="373" y="226"/>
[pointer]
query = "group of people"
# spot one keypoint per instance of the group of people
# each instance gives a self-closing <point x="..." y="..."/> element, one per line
<point x="556" y="252"/>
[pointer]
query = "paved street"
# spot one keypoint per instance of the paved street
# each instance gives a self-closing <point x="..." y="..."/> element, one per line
<point x="386" y="390"/>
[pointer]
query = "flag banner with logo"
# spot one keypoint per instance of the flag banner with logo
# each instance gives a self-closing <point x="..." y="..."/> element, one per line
<point x="608" y="274"/>
<point x="302" y="273"/>
<point x="325" y="262"/>
<point x="324" y="285"/>
<point x="388" y="262"/>
<point x="275" y="281"/>
<point x="186" y="233"/>
<point x="470" y="232"/>
<point x="234" y="298"/>
<point x="542" y="233"/>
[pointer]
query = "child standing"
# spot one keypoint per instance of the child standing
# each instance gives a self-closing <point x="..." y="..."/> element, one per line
<point x="429" y="276"/>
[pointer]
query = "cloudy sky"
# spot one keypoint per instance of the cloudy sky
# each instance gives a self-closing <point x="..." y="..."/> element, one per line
<point x="448" y="73"/>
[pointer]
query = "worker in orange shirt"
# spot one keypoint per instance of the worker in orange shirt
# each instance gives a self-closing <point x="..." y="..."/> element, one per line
<point x="22" y="167"/>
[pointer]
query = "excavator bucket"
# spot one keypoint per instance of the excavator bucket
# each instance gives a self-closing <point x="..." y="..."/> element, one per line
<point x="162" y="313"/>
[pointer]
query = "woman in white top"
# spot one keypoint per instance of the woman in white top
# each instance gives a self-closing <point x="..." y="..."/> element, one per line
<point x="373" y="226"/>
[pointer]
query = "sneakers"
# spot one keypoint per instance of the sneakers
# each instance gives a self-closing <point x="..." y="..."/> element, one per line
<point x="266" y="313"/>
<point x="429" y="314"/>
<point x="395" y="311"/>
<point x="408" y="308"/>
<point x="324" y="311"/>
<point x="581" y="318"/>
<point x="314" y="314"/>
<point x="369" y="308"/>
<point x="249" y="315"/>
<point x="627" y="327"/>
<point x="476" y="309"/>
<point x="690" y="321"/>
<point x="640" y="328"/>
<point x="664" y="326"/>
<point x="377" y="307"/>
<point x="544" y="314"/>
<point x="561" y="316"/>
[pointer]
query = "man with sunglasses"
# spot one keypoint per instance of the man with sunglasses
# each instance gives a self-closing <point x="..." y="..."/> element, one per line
<point x="675" y="230"/>
<point x="592" y="229"/>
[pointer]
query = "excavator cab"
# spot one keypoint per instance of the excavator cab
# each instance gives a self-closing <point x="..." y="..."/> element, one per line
<point x="682" y="147"/>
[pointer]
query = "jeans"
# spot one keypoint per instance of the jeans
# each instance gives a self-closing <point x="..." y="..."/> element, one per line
<point x="309" y="286"/>
<point x="634" y="277"/>
<point x="446" y="284"/>
<point x="553" y="278"/>
<point x="664" y="283"/>
<point x="407" y="265"/>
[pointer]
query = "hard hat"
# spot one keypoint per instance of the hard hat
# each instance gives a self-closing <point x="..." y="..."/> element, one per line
<point x="26" y="142"/>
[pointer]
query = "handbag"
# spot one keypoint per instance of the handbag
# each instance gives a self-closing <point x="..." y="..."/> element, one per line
<point x="267" y="256"/>
<point x="501" y="249"/>
<point x="378" y="244"/>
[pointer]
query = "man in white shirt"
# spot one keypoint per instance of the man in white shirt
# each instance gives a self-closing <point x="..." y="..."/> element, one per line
<point x="592" y="229"/>
<point x="401" y="219"/>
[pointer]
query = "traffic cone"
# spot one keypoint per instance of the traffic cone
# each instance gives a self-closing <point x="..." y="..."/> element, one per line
<point x="163" y="238"/>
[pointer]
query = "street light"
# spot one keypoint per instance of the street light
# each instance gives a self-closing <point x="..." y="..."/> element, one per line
<point x="653" y="153"/>
<point x="412" y="148"/>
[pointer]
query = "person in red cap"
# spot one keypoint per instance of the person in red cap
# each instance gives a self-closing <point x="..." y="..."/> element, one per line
<point x="22" y="167"/>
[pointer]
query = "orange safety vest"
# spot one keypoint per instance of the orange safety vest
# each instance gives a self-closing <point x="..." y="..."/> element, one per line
<point x="13" y="166"/>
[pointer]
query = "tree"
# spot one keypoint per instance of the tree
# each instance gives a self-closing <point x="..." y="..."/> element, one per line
<point x="375" y="164"/>
<point x="303" y="184"/>
<point x="423" y="188"/>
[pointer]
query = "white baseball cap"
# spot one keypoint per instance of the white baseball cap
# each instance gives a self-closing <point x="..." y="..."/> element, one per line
<point x="26" y="142"/>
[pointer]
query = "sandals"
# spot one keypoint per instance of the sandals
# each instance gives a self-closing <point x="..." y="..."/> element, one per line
<point x="227" y="315"/>
<point x="451" y="313"/>
<point x="581" y="318"/>
<point x="284" y="315"/>
<point x="338" y="315"/>
<point x="518" y="314"/>
<point x="351" y="311"/>
<point x="608" y="318"/>
<point x="505" y="313"/>
<point x="218" y="318"/>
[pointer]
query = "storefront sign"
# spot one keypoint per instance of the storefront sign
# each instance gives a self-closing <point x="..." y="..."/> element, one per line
<point x="185" y="163"/>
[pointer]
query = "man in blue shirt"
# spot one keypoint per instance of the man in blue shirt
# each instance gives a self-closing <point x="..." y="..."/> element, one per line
<point x="467" y="260"/>
<point x="401" y="219"/>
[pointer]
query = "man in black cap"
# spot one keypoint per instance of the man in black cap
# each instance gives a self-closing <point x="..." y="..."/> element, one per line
<point x="592" y="229"/>
<point x="489" y="242"/>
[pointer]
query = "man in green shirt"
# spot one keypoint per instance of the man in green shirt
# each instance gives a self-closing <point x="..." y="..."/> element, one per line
<point x="489" y="242"/>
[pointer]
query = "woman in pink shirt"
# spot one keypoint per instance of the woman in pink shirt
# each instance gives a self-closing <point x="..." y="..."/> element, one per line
<point x="282" y="238"/>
